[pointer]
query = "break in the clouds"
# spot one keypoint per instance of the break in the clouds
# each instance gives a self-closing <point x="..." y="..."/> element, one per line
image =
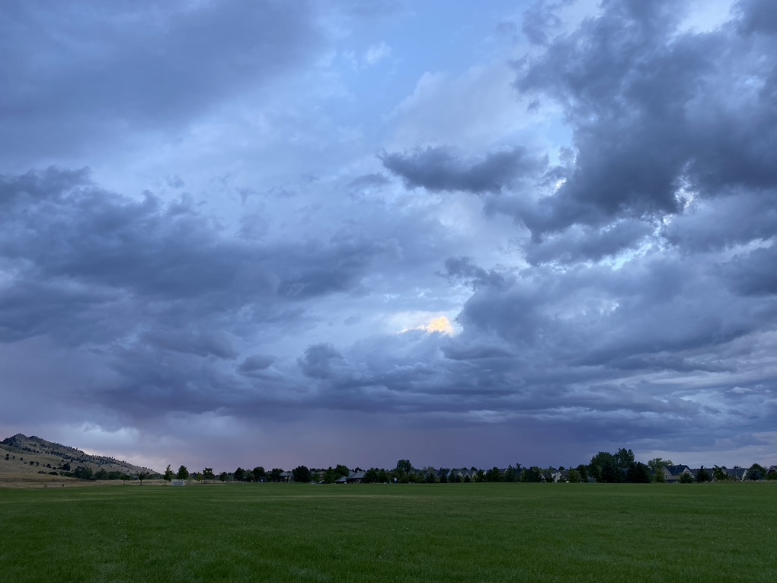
<point x="238" y="234"/>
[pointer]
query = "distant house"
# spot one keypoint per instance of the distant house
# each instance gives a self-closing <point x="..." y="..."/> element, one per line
<point x="351" y="478"/>
<point x="672" y="473"/>
<point x="771" y="471"/>
<point x="737" y="473"/>
<point x="286" y="477"/>
<point x="556" y="476"/>
<point x="355" y="477"/>
<point x="461" y="475"/>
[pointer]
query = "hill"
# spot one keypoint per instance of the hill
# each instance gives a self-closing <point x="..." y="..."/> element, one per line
<point x="32" y="455"/>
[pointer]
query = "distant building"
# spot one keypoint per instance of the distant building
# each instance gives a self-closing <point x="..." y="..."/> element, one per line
<point x="737" y="473"/>
<point x="672" y="473"/>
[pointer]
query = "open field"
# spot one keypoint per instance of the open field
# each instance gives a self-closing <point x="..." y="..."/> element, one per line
<point x="445" y="532"/>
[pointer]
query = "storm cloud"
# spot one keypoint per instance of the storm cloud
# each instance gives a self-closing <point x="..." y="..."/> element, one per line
<point x="325" y="289"/>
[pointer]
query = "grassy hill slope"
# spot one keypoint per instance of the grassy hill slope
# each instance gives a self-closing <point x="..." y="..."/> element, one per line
<point x="33" y="456"/>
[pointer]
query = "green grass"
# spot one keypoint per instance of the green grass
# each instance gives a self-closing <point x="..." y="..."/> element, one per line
<point x="449" y="532"/>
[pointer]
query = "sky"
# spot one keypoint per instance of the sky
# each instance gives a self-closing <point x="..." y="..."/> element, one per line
<point x="317" y="233"/>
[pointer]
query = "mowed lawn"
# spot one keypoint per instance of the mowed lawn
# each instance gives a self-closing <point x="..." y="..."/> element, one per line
<point x="444" y="532"/>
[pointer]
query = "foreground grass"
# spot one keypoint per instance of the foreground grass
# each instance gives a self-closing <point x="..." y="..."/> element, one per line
<point x="447" y="532"/>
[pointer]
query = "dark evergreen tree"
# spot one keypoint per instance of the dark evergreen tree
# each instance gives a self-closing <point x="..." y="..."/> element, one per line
<point x="610" y="473"/>
<point x="301" y="474"/>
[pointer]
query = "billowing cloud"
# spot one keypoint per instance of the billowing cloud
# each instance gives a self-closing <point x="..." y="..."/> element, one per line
<point x="472" y="292"/>
<point x="658" y="116"/>
<point x="440" y="169"/>
<point x="133" y="67"/>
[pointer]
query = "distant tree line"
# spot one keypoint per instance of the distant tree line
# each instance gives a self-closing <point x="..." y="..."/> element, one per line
<point x="604" y="467"/>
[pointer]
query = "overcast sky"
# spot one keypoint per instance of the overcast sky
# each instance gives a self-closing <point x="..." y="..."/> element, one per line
<point x="462" y="233"/>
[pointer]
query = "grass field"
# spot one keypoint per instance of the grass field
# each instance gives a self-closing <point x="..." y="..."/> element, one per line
<point x="446" y="532"/>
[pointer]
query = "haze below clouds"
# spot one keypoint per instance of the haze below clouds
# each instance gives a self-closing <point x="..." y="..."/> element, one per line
<point x="353" y="232"/>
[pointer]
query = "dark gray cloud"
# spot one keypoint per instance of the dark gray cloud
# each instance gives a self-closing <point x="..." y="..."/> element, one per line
<point x="373" y="180"/>
<point x="588" y="244"/>
<point x="442" y="169"/>
<point x="653" y="113"/>
<point x="759" y="16"/>
<point x="541" y="19"/>
<point x="753" y="273"/>
<point x="318" y="360"/>
<point x="465" y="269"/>
<point x="154" y="283"/>
<point x="78" y="71"/>
<point x="256" y="362"/>
<point x="194" y="342"/>
<point x="623" y="295"/>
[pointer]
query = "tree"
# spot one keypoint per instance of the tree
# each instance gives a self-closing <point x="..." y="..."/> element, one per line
<point x="275" y="474"/>
<point x="597" y="463"/>
<point x="83" y="473"/>
<point x="574" y="476"/>
<point x="639" y="473"/>
<point x="657" y="464"/>
<point x="532" y="474"/>
<point x="207" y="474"/>
<point x="142" y="475"/>
<point x="703" y="475"/>
<point x="259" y="473"/>
<point x="301" y="474"/>
<point x="624" y="458"/>
<point x="329" y="476"/>
<point x="756" y="472"/>
<point x="223" y="477"/>
<point x="720" y="474"/>
<point x="168" y="474"/>
<point x="494" y="475"/>
<point x="686" y="478"/>
<point x="183" y="473"/>
<point x="370" y="476"/>
<point x="342" y="471"/>
<point x="240" y="475"/>
<point x="404" y="466"/>
<point x="511" y="474"/>
<point x="610" y="473"/>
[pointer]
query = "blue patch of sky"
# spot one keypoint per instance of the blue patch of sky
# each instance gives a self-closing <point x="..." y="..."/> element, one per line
<point x="435" y="36"/>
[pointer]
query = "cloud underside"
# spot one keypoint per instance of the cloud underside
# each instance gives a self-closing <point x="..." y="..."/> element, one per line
<point x="639" y="302"/>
